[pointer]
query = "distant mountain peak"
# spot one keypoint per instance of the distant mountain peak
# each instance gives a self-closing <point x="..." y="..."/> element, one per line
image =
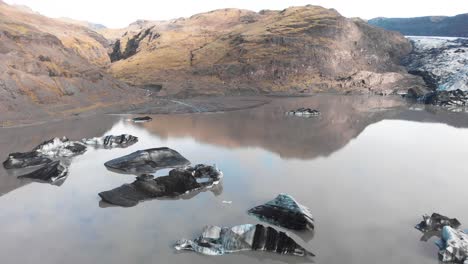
<point x="446" y="26"/>
<point x="90" y="25"/>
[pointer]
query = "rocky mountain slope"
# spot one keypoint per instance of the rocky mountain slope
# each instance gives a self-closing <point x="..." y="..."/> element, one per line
<point x="52" y="68"/>
<point x="231" y="51"/>
<point x="456" y="26"/>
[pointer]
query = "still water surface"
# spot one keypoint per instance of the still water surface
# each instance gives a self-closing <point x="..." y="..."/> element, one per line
<point x="367" y="168"/>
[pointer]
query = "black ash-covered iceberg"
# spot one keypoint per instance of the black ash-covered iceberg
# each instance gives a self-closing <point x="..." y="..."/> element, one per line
<point x="286" y="212"/>
<point x="432" y="225"/>
<point x="20" y="160"/>
<point x="54" y="156"/>
<point x="453" y="242"/>
<point x="44" y="153"/>
<point x="142" y="119"/>
<point x="110" y="141"/>
<point x="178" y="182"/>
<point x="53" y="172"/>
<point x="216" y="240"/>
<point x="436" y="222"/>
<point x="304" y="112"/>
<point x="61" y="148"/>
<point x="147" y="161"/>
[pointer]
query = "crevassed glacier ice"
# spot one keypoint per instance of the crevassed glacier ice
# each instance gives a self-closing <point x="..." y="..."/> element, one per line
<point x="442" y="62"/>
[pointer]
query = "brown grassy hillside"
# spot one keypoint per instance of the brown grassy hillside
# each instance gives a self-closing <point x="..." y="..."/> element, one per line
<point x="230" y="51"/>
<point x="49" y="68"/>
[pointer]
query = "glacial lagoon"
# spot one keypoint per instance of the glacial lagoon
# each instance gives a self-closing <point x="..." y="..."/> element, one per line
<point x="368" y="168"/>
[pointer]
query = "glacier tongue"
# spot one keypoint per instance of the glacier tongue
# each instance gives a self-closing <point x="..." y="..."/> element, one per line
<point x="442" y="62"/>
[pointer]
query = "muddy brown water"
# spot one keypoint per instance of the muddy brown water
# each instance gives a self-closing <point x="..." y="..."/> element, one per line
<point x="368" y="168"/>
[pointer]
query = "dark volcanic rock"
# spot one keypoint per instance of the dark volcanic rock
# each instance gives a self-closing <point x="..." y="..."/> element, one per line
<point x="51" y="172"/>
<point x="178" y="182"/>
<point x="121" y="141"/>
<point x="147" y="161"/>
<point x="132" y="45"/>
<point x="456" y="98"/>
<point x="222" y="240"/>
<point x="429" y="78"/>
<point x="286" y="212"/>
<point x="417" y="92"/>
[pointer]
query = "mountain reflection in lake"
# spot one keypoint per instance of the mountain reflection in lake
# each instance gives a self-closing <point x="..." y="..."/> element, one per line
<point x="368" y="168"/>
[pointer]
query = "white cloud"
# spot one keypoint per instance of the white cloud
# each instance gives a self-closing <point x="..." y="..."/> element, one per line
<point x="119" y="13"/>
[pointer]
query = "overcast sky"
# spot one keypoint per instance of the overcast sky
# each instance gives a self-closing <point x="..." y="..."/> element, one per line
<point x="120" y="13"/>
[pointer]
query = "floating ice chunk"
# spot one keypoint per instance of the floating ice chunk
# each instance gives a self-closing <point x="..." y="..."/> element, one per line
<point x="436" y="222"/>
<point x="216" y="240"/>
<point x="304" y="112"/>
<point x="110" y="141"/>
<point x="453" y="245"/>
<point x="432" y="225"/>
<point x="142" y="119"/>
<point x="178" y="182"/>
<point x="55" y="156"/>
<point x="286" y="212"/>
<point x="60" y="147"/>
<point x="147" y="161"/>
<point x="52" y="172"/>
<point x="44" y="153"/>
<point x="23" y="160"/>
